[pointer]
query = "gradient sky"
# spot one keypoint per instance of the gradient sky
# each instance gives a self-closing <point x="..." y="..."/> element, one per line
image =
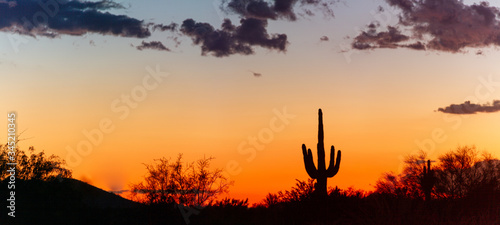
<point x="378" y="104"/>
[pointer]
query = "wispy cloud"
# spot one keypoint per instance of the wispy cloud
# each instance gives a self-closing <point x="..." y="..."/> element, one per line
<point x="255" y="74"/>
<point x="470" y="108"/>
<point x="392" y="38"/>
<point x="447" y="26"/>
<point x="156" y="45"/>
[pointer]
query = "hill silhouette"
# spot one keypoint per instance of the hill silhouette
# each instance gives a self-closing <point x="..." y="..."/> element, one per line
<point x="398" y="198"/>
<point x="68" y="201"/>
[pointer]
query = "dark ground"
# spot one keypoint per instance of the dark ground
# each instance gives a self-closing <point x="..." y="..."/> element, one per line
<point x="72" y="202"/>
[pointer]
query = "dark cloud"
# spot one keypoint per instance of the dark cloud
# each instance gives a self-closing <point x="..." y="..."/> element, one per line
<point x="170" y="27"/>
<point x="417" y="46"/>
<point x="449" y="25"/>
<point x="372" y="38"/>
<point x="255" y="9"/>
<point x="278" y="9"/>
<point x="323" y="6"/>
<point x="392" y="38"/>
<point x="176" y="40"/>
<point x="285" y="8"/>
<point x="54" y="18"/>
<point x="73" y="17"/>
<point x="231" y="39"/>
<point x="153" y="45"/>
<point x="252" y="31"/>
<point x="471" y="108"/>
<point x="255" y="74"/>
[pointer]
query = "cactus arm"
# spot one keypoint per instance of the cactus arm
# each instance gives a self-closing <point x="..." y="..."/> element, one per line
<point x="333" y="168"/>
<point x="309" y="163"/>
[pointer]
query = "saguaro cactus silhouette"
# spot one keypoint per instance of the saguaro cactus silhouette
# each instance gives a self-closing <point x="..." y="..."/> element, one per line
<point x="321" y="174"/>
<point x="427" y="180"/>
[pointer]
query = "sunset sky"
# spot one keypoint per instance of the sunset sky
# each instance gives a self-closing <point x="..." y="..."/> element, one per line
<point x="379" y="70"/>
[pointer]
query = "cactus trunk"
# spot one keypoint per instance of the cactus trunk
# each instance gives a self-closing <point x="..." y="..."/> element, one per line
<point x="321" y="174"/>
<point x="427" y="181"/>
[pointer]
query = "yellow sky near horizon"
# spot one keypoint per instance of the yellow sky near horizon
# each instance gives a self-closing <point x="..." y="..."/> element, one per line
<point x="378" y="106"/>
<point x="373" y="135"/>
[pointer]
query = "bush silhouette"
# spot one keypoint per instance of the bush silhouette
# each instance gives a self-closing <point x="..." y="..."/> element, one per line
<point x="458" y="173"/>
<point x="191" y="184"/>
<point x="32" y="166"/>
<point x="302" y="191"/>
<point x="462" y="171"/>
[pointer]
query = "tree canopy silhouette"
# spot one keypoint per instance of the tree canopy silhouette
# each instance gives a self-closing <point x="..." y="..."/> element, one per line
<point x="463" y="171"/>
<point x="189" y="184"/>
<point x="33" y="166"/>
<point x="458" y="173"/>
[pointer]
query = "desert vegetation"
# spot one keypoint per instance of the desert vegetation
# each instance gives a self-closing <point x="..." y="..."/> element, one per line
<point x="461" y="186"/>
<point x="190" y="184"/>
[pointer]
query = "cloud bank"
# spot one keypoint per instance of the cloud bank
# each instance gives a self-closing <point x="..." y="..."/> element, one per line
<point x="231" y="39"/>
<point x="54" y="18"/>
<point x="279" y="9"/>
<point x="470" y="108"/>
<point x="252" y="31"/>
<point x="448" y="26"/>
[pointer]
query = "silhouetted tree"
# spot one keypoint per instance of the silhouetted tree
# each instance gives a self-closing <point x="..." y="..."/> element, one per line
<point x="458" y="173"/>
<point x="321" y="174"/>
<point x="175" y="182"/>
<point x="392" y="184"/>
<point x="32" y="166"/>
<point x="489" y="171"/>
<point x="408" y="183"/>
<point x="462" y="170"/>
